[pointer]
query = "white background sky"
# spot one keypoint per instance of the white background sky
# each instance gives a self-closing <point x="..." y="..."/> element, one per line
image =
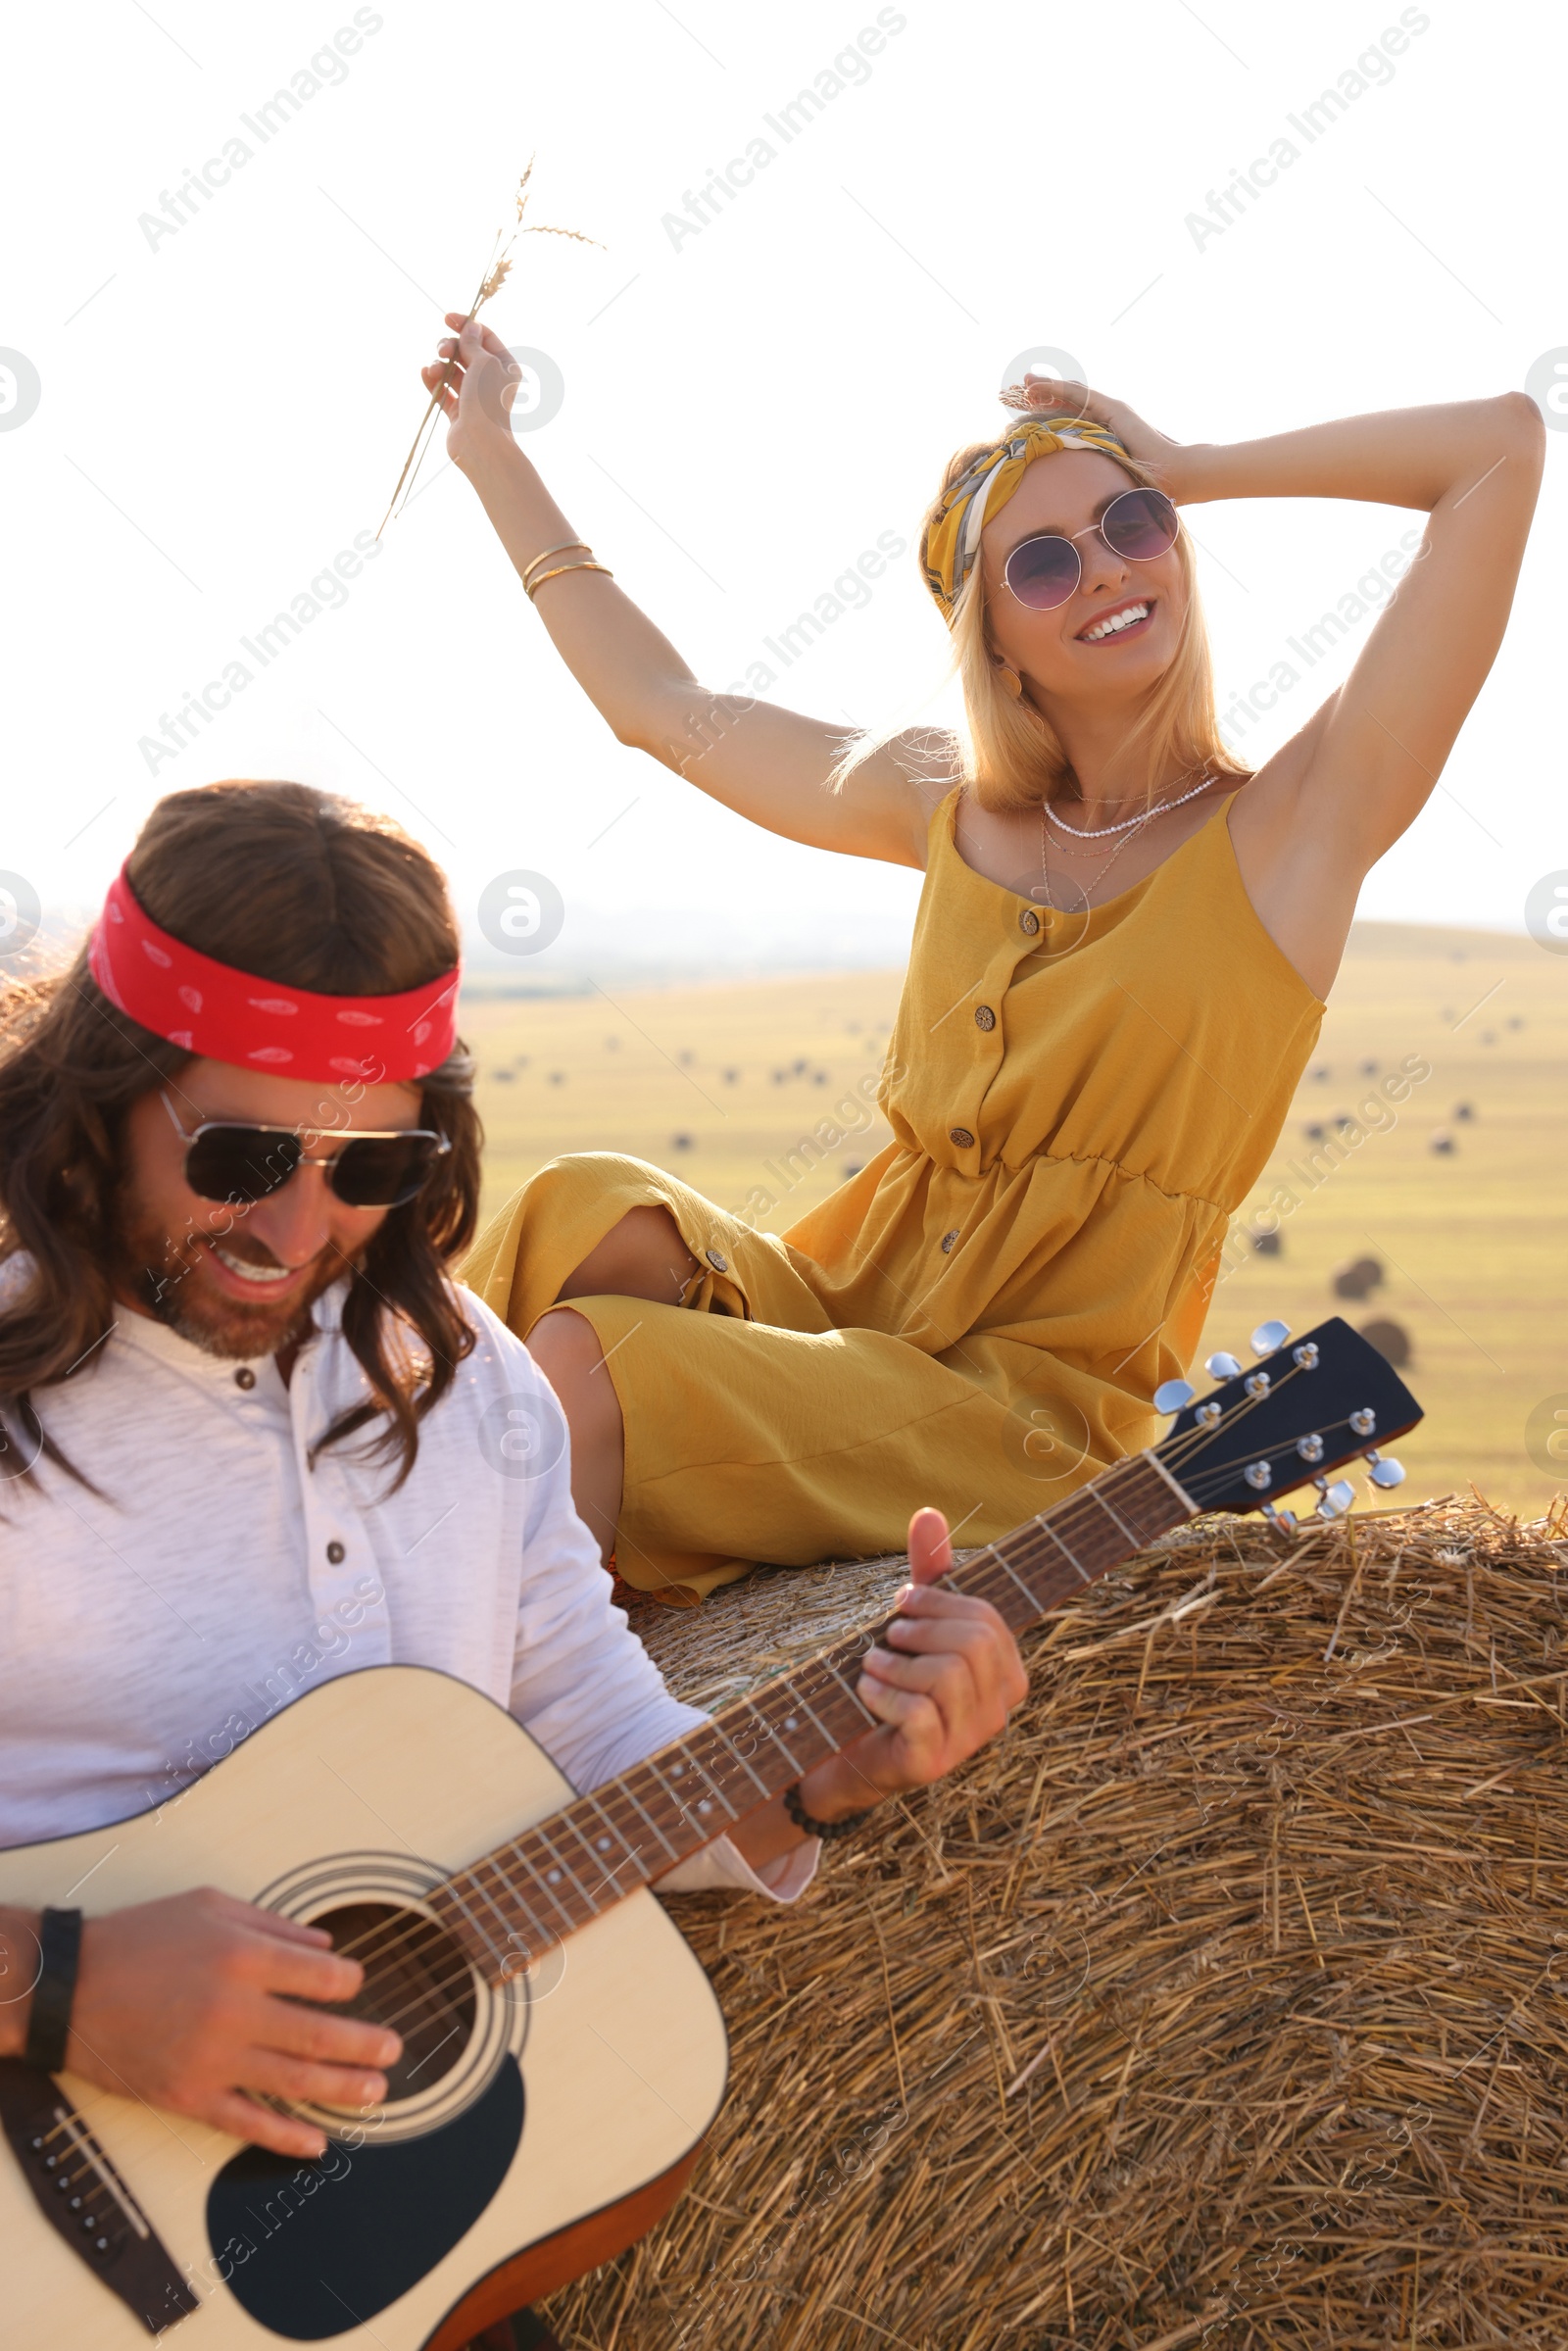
<point x="743" y="415"/>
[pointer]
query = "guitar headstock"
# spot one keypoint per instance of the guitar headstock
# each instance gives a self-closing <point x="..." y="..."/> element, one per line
<point x="1304" y="1411"/>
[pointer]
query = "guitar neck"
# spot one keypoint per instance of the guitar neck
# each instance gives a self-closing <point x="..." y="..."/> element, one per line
<point x="513" y="1905"/>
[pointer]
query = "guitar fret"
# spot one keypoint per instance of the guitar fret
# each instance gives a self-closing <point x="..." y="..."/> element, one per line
<point x="745" y="1762"/>
<point x="1190" y="1508"/>
<point x="1003" y="1561"/>
<point x="806" y="1706"/>
<point x="571" y="1820"/>
<point x="491" y="1862"/>
<point x="539" y="1860"/>
<point x="1115" y="1516"/>
<point x="1088" y="1531"/>
<point x="537" y="1926"/>
<point x="535" y="1933"/>
<point x="644" y="1814"/>
<point x="701" y="1768"/>
<point x="682" y="1810"/>
<point x="618" y="1833"/>
<point x="541" y="1878"/>
<point x="450" y="1889"/>
<point x="1045" y="1528"/>
<point x="828" y="1667"/>
<point x="563" y="1864"/>
<point x="792" y="1693"/>
<point x="795" y="1765"/>
<point x="1156" y="1491"/>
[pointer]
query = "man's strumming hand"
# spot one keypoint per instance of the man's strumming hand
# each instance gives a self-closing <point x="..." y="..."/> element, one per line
<point x="194" y="2004"/>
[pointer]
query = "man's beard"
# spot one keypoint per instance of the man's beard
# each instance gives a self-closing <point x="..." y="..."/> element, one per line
<point x="148" y="1265"/>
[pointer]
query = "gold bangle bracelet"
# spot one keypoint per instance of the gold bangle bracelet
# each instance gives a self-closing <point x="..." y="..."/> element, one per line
<point x="560" y="568"/>
<point x="565" y="548"/>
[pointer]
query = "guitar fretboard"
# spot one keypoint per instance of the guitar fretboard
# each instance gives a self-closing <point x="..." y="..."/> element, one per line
<point x="512" y="1906"/>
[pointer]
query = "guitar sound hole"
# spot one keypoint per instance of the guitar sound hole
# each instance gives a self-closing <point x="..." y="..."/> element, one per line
<point x="417" y="1979"/>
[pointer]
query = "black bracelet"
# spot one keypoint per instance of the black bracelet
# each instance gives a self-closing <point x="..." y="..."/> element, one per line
<point x="826" y="1830"/>
<point x="49" y="2022"/>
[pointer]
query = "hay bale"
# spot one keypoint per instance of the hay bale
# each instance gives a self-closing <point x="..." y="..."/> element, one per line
<point x="1220" y="2000"/>
<point x="1357" y="1277"/>
<point x="1391" y="1339"/>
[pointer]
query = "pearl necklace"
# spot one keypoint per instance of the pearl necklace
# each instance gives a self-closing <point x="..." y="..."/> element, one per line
<point x="1095" y="879"/>
<point x="1099" y="832"/>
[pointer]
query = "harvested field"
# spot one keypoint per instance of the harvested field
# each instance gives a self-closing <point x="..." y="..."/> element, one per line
<point x="758" y="1077"/>
<point x="1221" y="2002"/>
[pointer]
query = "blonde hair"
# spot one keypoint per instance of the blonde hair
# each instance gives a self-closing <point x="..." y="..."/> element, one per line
<point x="1010" y="756"/>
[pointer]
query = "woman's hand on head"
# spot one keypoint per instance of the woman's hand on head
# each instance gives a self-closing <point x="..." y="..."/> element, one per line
<point x="1053" y="395"/>
<point x="475" y="379"/>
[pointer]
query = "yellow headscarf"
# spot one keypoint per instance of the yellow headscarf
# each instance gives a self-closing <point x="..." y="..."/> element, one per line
<point x="951" y="541"/>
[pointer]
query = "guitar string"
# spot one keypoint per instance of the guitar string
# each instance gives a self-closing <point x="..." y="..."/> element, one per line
<point x="1072" y="1513"/>
<point x="1074" y="1519"/>
<point x="414" y="1944"/>
<point x="436" y="1995"/>
<point x="985" y="1566"/>
<point x="429" y="1932"/>
<point x="612" y="1804"/>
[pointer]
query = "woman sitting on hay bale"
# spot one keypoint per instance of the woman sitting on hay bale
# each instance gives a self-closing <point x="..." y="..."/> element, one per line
<point x="1119" y="967"/>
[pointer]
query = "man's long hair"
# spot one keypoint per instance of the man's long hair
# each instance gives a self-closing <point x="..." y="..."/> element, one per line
<point x="296" y="886"/>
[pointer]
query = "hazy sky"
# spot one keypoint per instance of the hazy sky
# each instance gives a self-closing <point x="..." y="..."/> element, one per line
<point x="226" y="383"/>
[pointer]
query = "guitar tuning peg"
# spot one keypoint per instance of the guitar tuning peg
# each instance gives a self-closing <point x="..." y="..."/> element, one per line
<point x="1284" y="1520"/>
<point x="1383" y="1470"/>
<point x="1268" y="1336"/>
<point x="1336" y="1500"/>
<point x="1173" y="1396"/>
<point x="1222" y="1366"/>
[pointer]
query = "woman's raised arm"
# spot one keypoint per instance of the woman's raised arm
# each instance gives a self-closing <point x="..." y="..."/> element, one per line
<point x="1335" y="798"/>
<point x="770" y="765"/>
<point x="1474" y="467"/>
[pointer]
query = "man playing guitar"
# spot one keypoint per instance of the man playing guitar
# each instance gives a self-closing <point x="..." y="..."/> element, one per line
<point x="252" y="1435"/>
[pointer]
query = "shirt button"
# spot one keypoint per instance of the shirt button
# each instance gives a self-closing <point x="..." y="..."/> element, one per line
<point x="335" y="1553"/>
<point x="948" y="1239"/>
<point x="1029" y="921"/>
<point x="961" y="1136"/>
<point x="244" y="1377"/>
<point x="719" y="1265"/>
<point x="984" y="1017"/>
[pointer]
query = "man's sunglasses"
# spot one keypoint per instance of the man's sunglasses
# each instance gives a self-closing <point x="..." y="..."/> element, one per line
<point x="382" y="1167"/>
<point x="1044" y="573"/>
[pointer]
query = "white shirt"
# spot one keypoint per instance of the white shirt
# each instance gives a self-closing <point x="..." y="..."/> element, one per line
<point x="206" y="1574"/>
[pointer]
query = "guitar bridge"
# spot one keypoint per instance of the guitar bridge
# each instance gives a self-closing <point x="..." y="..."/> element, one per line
<point x="84" y="2199"/>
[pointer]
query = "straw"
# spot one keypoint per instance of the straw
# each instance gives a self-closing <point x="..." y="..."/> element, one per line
<point x="1218" y="2002"/>
<point x="496" y="270"/>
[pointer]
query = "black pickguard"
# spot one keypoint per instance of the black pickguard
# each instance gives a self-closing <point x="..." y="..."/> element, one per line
<point x="311" y="2250"/>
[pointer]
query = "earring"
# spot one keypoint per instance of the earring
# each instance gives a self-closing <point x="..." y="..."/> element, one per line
<point x="1009" y="678"/>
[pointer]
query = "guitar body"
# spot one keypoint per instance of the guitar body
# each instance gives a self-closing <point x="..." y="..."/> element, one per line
<point x="540" y="2134"/>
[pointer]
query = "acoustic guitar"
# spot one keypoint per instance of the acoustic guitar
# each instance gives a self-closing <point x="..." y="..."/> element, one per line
<point x="563" y="2052"/>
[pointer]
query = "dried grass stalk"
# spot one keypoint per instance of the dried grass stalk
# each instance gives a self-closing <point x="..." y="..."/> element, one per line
<point x="496" y="270"/>
<point x="1219" y="2003"/>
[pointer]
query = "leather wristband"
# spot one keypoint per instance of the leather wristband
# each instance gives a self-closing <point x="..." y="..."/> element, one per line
<point x="49" y="2020"/>
<point x="826" y="1830"/>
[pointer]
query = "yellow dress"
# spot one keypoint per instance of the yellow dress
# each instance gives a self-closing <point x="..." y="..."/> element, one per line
<point x="981" y="1316"/>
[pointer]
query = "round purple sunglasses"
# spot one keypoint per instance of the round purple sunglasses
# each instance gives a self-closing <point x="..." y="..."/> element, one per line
<point x="1044" y="573"/>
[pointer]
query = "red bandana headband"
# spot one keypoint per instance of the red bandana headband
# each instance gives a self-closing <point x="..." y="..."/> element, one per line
<point x="228" y="1015"/>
